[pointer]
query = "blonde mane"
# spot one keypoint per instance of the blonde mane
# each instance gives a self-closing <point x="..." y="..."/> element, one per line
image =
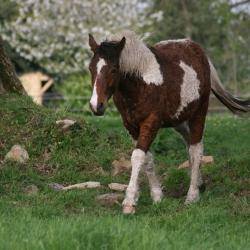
<point x="137" y="58"/>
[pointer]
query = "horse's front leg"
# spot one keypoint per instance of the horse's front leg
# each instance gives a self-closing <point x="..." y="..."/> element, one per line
<point x="148" y="130"/>
<point x="132" y="194"/>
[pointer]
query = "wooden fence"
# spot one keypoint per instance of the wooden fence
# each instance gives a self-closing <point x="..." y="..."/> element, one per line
<point x="60" y="102"/>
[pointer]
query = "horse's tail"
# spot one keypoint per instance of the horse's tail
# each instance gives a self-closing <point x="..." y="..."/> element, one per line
<point x="235" y="104"/>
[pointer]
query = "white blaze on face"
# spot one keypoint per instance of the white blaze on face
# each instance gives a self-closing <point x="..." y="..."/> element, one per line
<point x="94" y="97"/>
<point x="189" y="88"/>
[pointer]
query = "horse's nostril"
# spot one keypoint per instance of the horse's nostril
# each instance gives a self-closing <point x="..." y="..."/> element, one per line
<point x="100" y="105"/>
<point x="100" y="108"/>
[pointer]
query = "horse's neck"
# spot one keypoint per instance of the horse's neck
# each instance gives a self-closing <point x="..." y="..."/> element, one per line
<point x="129" y="89"/>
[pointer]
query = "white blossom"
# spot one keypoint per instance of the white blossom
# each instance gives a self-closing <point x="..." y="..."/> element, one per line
<point x="54" y="34"/>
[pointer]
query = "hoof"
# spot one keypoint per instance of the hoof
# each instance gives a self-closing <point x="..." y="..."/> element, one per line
<point x="189" y="202"/>
<point x="157" y="196"/>
<point x="192" y="196"/>
<point x="128" y="209"/>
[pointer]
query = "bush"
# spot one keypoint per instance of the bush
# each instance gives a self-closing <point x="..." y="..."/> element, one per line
<point x="76" y="91"/>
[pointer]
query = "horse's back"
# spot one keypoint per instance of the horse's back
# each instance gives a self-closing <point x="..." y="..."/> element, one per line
<point x="180" y="49"/>
<point x="178" y="55"/>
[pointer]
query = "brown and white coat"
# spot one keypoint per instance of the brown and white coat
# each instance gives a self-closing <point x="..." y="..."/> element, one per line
<point x="167" y="85"/>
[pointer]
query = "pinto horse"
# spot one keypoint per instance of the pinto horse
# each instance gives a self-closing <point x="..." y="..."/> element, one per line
<point x="166" y="85"/>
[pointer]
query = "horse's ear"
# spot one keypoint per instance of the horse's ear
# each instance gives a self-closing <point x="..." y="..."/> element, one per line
<point x="92" y="43"/>
<point x="121" y="44"/>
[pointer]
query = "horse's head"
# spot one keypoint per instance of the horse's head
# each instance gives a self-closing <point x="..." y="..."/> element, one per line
<point x="104" y="69"/>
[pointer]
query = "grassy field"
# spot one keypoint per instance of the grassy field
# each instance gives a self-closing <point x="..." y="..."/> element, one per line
<point x="74" y="220"/>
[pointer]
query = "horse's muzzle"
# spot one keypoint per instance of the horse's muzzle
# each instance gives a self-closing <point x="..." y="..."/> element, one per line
<point x="100" y="109"/>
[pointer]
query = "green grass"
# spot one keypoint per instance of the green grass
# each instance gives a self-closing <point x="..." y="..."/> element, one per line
<point x="74" y="220"/>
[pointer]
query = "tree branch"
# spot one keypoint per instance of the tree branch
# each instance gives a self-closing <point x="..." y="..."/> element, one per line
<point x="233" y="5"/>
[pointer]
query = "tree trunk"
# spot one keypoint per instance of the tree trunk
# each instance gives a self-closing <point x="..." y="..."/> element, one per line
<point x="8" y="78"/>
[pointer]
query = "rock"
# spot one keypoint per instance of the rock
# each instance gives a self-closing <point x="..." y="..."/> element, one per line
<point x="84" y="185"/>
<point x="65" y="124"/>
<point x="18" y="154"/>
<point x="120" y="166"/>
<point x="31" y="189"/>
<point x="205" y="160"/>
<point x="118" y="186"/>
<point x="56" y="186"/>
<point x="109" y="199"/>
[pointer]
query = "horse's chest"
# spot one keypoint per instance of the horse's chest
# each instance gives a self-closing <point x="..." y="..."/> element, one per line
<point x="132" y="112"/>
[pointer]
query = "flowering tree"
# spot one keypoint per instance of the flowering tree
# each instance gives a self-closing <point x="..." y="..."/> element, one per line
<point x="54" y="34"/>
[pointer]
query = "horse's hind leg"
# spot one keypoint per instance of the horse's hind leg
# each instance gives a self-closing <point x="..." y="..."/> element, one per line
<point x="195" y="155"/>
<point x="184" y="131"/>
<point x="195" y="150"/>
<point x="155" y="186"/>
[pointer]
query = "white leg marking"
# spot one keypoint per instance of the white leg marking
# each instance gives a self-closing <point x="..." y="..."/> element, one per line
<point x="195" y="155"/>
<point x="189" y="88"/>
<point x="94" y="98"/>
<point x="155" y="186"/>
<point x="137" y="160"/>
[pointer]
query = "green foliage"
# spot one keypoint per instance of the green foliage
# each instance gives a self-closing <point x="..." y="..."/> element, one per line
<point x="54" y="35"/>
<point x="8" y="11"/>
<point x="220" y="30"/>
<point x="76" y="90"/>
<point x="74" y="220"/>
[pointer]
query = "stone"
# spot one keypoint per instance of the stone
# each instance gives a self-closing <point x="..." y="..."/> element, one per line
<point x="31" y="189"/>
<point x="18" y="154"/>
<point x="65" y="124"/>
<point x="120" y="166"/>
<point x="117" y="187"/>
<point x="84" y="185"/>
<point x="110" y="199"/>
<point x="205" y="161"/>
